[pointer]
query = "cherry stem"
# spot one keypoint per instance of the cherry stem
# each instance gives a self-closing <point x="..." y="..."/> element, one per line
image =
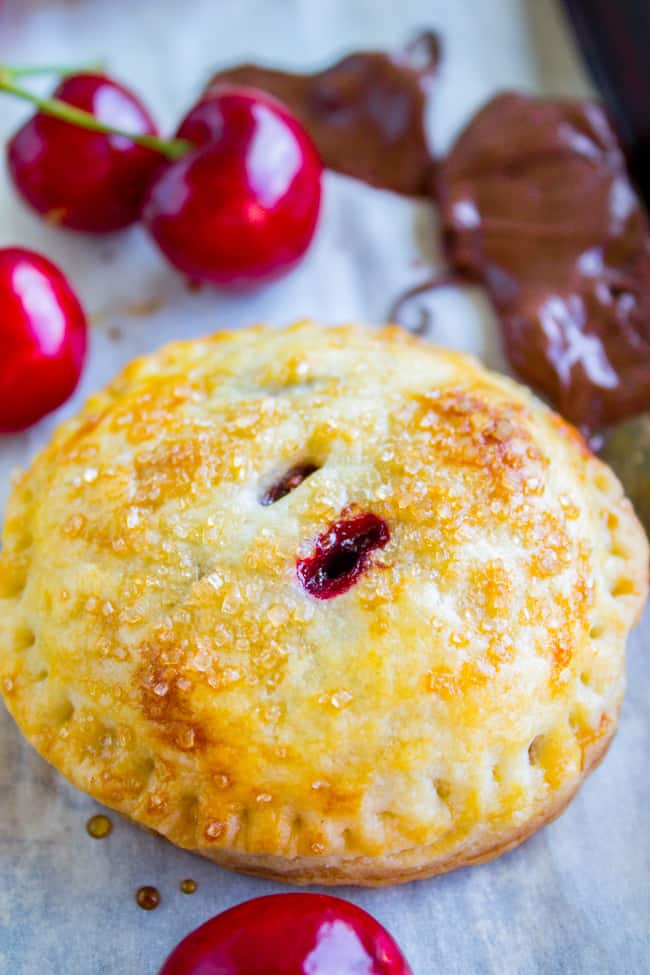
<point x="171" y="148"/>
<point x="20" y="71"/>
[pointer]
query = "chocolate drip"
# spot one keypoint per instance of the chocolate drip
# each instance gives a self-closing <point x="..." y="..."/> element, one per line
<point x="365" y="113"/>
<point x="538" y="206"/>
<point x="399" y="313"/>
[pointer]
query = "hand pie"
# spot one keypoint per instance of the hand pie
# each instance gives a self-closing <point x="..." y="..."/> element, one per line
<point x="322" y="604"/>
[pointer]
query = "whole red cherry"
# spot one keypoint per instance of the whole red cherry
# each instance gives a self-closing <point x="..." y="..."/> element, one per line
<point x="81" y="179"/>
<point x="289" y="934"/>
<point x="242" y="207"/>
<point x="42" y="338"/>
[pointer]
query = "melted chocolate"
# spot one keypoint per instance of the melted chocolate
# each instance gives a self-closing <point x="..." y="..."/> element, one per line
<point x="365" y="113"/>
<point x="538" y="206"/>
<point x="421" y="323"/>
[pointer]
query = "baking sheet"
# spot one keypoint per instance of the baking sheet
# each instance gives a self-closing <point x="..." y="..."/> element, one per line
<point x="576" y="897"/>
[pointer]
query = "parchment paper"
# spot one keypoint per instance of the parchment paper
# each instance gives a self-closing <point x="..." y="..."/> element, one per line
<point x="576" y="897"/>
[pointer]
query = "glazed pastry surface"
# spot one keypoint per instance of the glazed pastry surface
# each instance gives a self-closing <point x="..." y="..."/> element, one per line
<point x="159" y="643"/>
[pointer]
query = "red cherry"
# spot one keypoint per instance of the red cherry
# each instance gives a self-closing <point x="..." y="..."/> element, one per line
<point x="289" y="934"/>
<point x="242" y="207"/>
<point x="81" y="179"/>
<point x="42" y="338"/>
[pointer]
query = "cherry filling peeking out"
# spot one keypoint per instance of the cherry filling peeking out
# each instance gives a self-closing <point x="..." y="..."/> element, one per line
<point x="288" y="483"/>
<point x="341" y="554"/>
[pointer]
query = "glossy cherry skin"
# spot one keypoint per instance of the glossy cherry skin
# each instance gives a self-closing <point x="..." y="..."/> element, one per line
<point x="289" y="934"/>
<point x="80" y="179"/>
<point x="242" y="208"/>
<point x="42" y="338"/>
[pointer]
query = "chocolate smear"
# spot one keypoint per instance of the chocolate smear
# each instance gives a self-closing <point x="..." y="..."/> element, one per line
<point x="365" y="113"/>
<point x="538" y="206"/>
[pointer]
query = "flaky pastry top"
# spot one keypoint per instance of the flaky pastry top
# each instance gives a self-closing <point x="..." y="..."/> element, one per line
<point x="158" y="646"/>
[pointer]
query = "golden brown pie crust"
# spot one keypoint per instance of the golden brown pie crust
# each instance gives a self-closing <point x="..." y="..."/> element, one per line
<point x="158" y="648"/>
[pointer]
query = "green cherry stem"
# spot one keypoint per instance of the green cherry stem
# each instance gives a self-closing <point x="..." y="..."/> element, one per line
<point x="27" y="71"/>
<point x="171" y="148"/>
